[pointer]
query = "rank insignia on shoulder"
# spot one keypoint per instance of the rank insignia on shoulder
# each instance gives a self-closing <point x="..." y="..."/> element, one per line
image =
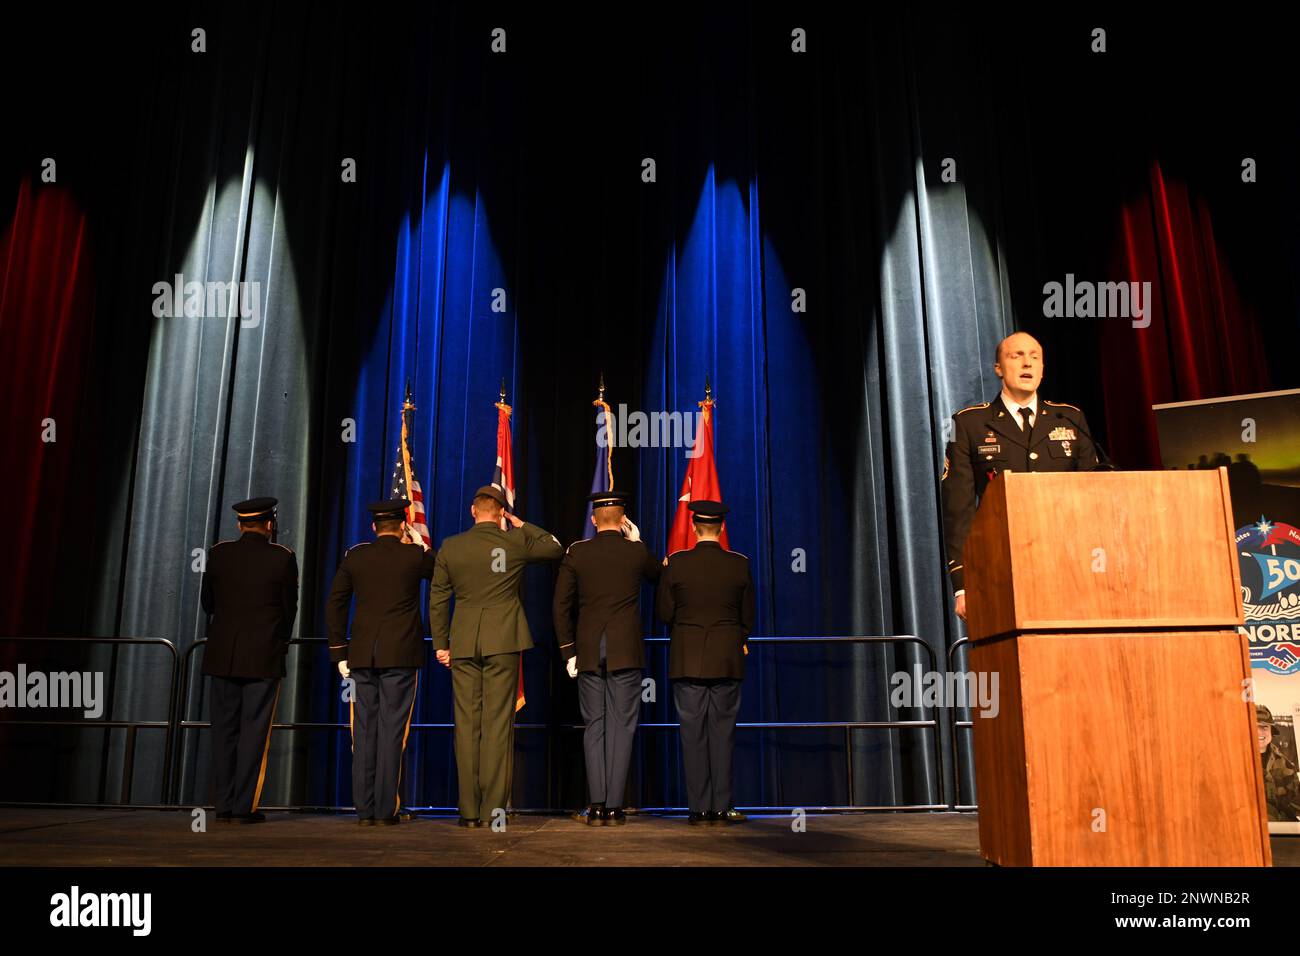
<point x="1062" y="434"/>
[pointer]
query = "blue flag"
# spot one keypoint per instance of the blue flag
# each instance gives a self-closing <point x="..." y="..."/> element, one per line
<point x="603" y="479"/>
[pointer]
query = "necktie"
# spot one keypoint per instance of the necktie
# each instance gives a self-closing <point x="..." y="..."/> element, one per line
<point x="1025" y="413"/>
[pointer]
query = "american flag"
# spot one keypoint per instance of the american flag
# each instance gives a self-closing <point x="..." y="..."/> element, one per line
<point x="405" y="485"/>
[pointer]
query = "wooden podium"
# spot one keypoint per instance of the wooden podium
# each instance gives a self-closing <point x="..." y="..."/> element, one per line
<point x="1108" y="604"/>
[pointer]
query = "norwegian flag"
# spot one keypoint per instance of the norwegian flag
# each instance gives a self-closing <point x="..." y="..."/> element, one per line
<point x="503" y="477"/>
<point x="405" y="485"/>
<point x="700" y="484"/>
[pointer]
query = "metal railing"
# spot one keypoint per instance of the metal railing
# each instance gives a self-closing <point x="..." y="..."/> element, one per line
<point x="178" y="725"/>
<point x="131" y="726"/>
<point x="958" y="725"/>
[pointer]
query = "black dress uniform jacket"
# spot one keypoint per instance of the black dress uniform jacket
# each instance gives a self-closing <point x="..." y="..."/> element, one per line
<point x="706" y="596"/>
<point x="250" y="592"/>
<point x="385" y="576"/>
<point x="986" y="442"/>
<point x="602" y="578"/>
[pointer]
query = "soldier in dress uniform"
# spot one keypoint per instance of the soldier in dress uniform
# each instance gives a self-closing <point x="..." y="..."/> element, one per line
<point x="600" y="578"/>
<point x="250" y="593"/>
<point x="706" y="597"/>
<point x="1281" y="783"/>
<point x="384" y="655"/>
<point x="482" y="641"/>
<point x="1015" y="432"/>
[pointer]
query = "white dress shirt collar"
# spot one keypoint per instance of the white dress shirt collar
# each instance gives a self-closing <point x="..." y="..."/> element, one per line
<point x="1014" y="409"/>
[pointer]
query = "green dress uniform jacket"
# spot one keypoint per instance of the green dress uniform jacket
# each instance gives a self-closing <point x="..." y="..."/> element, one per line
<point x="484" y="566"/>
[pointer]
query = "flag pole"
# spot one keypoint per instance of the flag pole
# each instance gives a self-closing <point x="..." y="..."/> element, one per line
<point x="609" y="448"/>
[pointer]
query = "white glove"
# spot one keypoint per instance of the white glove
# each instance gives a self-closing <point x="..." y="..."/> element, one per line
<point x="572" y="667"/>
<point x="631" y="531"/>
<point x="344" y="670"/>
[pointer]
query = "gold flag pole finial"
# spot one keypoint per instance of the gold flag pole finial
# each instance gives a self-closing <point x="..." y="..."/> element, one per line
<point x="600" y="397"/>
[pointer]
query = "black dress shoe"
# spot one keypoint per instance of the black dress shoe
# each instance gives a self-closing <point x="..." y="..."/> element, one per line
<point x="365" y="821"/>
<point x="386" y="821"/>
<point x="730" y="816"/>
<point x="253" y="817"/>
<point x="597" y="815"/>
<point x="614" y="816"/>
<point x="406" y="816"/>
<point x="699" y="819"/>
<point x="465" y="822"/>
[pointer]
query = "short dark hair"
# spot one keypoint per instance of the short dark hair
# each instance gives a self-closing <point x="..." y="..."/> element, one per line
<point x="248" y="524"/>
<point x="487" y="503"/>
<point x="386" y="525"/>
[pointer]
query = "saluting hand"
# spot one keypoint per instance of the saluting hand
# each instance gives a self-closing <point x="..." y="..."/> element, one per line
<point x="515" y="520"/>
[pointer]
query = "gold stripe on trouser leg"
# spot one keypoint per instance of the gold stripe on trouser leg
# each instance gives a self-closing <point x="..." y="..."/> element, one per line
<point x="401" y="758"/>
<point x="266" y="750"/>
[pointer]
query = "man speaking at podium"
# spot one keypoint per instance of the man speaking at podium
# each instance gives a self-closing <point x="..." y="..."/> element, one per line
<point x="1016" y="431"/>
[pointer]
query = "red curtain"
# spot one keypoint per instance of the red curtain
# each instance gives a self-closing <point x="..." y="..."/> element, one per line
<point x="46" y="317"/>
<point x="1204" y="339"/>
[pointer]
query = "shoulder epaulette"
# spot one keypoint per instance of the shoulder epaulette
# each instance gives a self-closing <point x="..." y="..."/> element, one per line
<point x="279" y="545"/>
<point x="359" y="544"/>
<point x="1063" y="405"/>
<point x="738" y="554"/>
<point x="220" y="543"/>
<point x="971" y="408"/>
<point x="578" y="542"/>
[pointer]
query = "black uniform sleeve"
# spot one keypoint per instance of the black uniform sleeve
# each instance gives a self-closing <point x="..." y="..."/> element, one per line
<point x="566" y="597"/>
<point x="289" y="596"/>
<point x="957" y="489"/>
<point x="428" y="563"/>
<point x="665" y="608"/>
<point x="206" y="596"/>
<point x="336" y="612"/>
<point x="652" y="566"/>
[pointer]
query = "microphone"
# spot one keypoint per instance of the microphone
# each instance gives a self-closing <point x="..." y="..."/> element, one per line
<point x="1103" y="461"/>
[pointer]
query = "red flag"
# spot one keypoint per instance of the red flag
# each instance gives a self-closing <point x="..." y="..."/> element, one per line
<point x="503" y="477"/>
<point x="700" y="484"/>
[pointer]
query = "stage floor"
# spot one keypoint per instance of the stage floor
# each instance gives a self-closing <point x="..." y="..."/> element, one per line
<point x="69" y="837"/>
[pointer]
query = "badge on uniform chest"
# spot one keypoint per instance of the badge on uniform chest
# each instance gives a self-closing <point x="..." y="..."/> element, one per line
<point x="1062" y="433"/>
<point x="988" y="451"/>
